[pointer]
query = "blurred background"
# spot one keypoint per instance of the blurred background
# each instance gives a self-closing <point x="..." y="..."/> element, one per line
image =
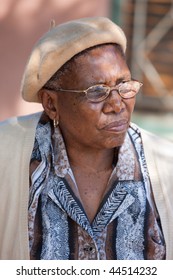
<point x="148" y="25"/>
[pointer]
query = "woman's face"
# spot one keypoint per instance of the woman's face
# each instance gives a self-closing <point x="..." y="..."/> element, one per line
<point x="100" y="125"/>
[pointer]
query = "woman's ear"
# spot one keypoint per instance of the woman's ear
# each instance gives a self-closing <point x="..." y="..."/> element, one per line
<point x="49" y="100"/>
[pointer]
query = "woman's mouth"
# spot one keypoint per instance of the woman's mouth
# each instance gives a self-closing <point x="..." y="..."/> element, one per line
<point x="117" y="126"/>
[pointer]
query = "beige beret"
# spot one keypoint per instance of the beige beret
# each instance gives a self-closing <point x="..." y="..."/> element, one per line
<point x="60" y="44"/>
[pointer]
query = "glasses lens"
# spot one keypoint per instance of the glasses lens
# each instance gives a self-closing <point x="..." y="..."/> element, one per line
<point x="129" y="89"/>
<point x="97" y="93"/>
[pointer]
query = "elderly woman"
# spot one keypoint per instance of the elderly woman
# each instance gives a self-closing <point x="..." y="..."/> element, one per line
<point x="79" y="180"/>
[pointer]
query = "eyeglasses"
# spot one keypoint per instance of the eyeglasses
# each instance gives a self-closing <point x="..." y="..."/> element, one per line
<point x="98" y="93"/>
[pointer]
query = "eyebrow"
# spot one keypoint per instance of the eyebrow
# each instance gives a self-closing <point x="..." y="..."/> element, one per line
<point x="123" y="78"/>
<point x="118" y="81"/>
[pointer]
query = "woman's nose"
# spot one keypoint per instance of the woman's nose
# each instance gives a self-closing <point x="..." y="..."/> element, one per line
<point x="113" y="103"/>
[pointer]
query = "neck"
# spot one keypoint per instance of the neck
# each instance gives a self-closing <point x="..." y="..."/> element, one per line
<point x="93" y="160"/>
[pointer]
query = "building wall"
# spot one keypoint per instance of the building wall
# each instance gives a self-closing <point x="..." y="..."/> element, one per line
<point x="149" y="28"/>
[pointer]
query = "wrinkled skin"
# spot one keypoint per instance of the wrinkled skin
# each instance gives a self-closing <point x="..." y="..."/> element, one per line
<point x="84" y="123"/>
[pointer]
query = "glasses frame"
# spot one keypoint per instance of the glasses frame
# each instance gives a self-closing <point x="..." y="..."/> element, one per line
<point x="109" y="90"/>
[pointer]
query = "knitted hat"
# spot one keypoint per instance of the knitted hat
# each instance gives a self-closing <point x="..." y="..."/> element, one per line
<point x="60" y="44"/>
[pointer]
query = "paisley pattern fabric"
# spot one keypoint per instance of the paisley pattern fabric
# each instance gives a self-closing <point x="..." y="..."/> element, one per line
<point x="127" y="224"/>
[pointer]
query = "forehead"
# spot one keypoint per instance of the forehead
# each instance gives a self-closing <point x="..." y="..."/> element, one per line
<point x="99" y="51"/>
<point x="104" y="64"/>
<point x="99" y="64"/>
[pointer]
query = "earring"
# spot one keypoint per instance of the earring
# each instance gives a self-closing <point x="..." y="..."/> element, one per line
<point x="55" y="123"/>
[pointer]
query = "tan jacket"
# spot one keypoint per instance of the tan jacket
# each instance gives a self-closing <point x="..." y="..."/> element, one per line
<point x="16" y="143"/>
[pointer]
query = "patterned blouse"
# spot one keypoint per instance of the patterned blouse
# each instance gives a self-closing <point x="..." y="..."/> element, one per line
<point x="127" y="224"/>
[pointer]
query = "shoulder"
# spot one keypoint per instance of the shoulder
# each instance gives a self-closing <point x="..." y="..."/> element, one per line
<point x="20" y="122"/>
<point x="15" y="130"/>
<point x="154" y="143"/>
